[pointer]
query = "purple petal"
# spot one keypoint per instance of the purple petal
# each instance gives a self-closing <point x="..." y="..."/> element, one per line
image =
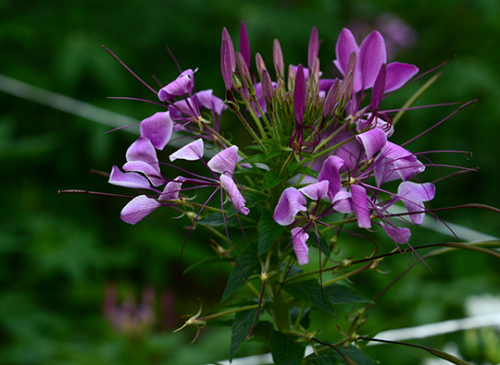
<point x="299" y="239"/>
<point x="372" y="55"/>
<point x="342" y="202"/>
<point x="394" y="162"/>
<point x="331" y="173"/>
<point x="179" y="87"/>
<point x="234" y="194"/>
<point x="206" y="99"/>
<point x="372" y="141"/>
<point x="398" y="234"/>
<point x="398" y="74"/>
<point x="224" y="161"/>
<point x="128" y="180"/>
<point x="138" y="208"/>
<point x="150" y="171"/>
<point x="244" y="44"/>
<point x="192" y="151"/>
<point x="378" y="88"/>
<point x="299" y="94"/>
<point x="291" y="202"/>
<point x="360" y="205"/>
<point x="413" y="195"/>
<point x="172" y="189"/>
<point x="142" y="150"/>
<point x="316" y="191"/>
<point x="158" y="129"/>
<point x="345" y="45"/>
<point x="349" y="152"/>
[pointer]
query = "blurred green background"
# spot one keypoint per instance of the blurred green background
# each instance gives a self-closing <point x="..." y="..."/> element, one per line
<point x="61" y="255"/>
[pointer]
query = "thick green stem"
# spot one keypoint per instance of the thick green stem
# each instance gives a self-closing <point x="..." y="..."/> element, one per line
<point x="281" y="315"/>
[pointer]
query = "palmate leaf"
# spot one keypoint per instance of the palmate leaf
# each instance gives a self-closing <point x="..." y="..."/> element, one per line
<point x="247" y="265"/>
<point x="269" y="231"/>
<point x="242" y="324"/>
<point x="310" y="291"/>
<point x="285" y="350"/>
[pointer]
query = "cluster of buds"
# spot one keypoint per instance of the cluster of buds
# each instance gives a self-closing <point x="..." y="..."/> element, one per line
<point x="322" y="151"/>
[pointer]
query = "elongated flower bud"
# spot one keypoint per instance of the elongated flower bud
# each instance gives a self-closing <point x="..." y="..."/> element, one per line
<point x="267" y="86"/>
<point x="261" y="65"/>
<point x="299" y="94"/>
<point x="244" y="44"/>
<point x="279" y="64"/>
<point x="331" y="99"/>
<point x="244" y="73"/>
<point x="227" y="61"/>
<point x="313" y="50"/>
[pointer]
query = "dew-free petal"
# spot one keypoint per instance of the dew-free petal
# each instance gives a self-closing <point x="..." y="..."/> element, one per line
<point x="398" y="74"/>
<point x="413" y="195"/>
<point x="172" y="189"/>
<point x="316" y="191"/>
<point x="179" y="87"/>
<point x="331" y="173"/>
<point x="372" y="141"/>
<point x="224" y="161"/>
<point x="372" y="55"/>
<point x="360" y="205"/>
<point x="158" y="129"/>
<point x="128" y="179"/>
<point x="299" y="239"/>
<point x="192" y="151"/>
<point x="398" y="234"/>
<point x="345" y="45"/>
<point x="234" y="194"/>
<point x="151" y="172"/>
<point x="138" y="208"/>
<point x="290" y="203"/>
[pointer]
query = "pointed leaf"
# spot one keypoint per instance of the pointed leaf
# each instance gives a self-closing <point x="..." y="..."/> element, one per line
<point x="206" y="262"/>
<point x="285" y="350"/>
<point x="242" y="325"/>
<point x="310" y="291"/>
<point x="247" y="264"/>
<point x="271" y="179"/>
<point x="269" y="231"/>
<point x="340" y="294"/>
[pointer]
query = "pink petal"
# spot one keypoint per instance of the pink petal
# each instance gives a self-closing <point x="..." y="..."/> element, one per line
<point x="138" y="208"/>
<point x="192" y="151"/>
<point x="172" y="189"/>
<point x="345" y="45"/>
<point x="290" y="203"/>
<point x="342" y="202"/>
<point x="234" y="194"/>
<point x="158" y="129"/>
<point x="316" y="191"/>
<point x="299" y="238"/>
<point x="331" y="173"/>
<point x="372" y="141"/>
<point x="413" y="195"/>
<point x="398" y="74"/>
<point x="128" y="180"/>
<point x="142" y="150"/>
<point x="360" y="205"/>
<point x="206" y="99"/>
<point x="398" y="234"/>
<point x="372" y="55"/>
<point x="151" y="172"/>
<point x="179" y="87"/>
<point x="224" y="161"/>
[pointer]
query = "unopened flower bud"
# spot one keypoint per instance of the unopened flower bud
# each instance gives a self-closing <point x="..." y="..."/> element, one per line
<point x="244" y="73"/>
<point x="279" y="64"/>
<point x="261" y="66"/>
<point x="267" y="86"/>
<point x="331" y="99"/>
<point x="313" y="50"/>
<point x="227" y="61"/>
<point x="245" y="44"/>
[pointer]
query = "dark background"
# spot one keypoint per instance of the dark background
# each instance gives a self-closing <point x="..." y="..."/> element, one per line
<point x="59" y="252"/>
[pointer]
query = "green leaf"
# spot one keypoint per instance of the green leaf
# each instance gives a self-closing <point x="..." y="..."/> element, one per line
<point x="332" y="357"/>
<point x="340" y="294"/>
<point x="271" y="179"/>
<point x="206" y="262"/>
<point x="305" y="320"/>
<point x="313" y="240"/>
<point x="310" y="291"/>
<point x="260" y="157"/>
<point x="306" y="171"/>
<point x="285" y="350"/>
<point x="242" y="325"/>
<point x="247" y="263"/>
<point x="263" y="330"/>
<point x="216" y="220"/>
<point x="269" y="231"/>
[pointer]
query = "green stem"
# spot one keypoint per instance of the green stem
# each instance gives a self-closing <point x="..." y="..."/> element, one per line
<point x="221" y="314"/>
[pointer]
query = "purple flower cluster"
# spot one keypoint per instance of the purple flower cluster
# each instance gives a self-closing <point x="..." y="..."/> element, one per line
<point x="321" y="151"/>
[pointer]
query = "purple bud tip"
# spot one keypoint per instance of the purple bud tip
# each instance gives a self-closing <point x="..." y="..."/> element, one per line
<point x="242" y="67"/>
<point x="279" y="64"/>
<point x="313" y="47"/>
<point x="299" y="94"/>
<point x="259" y="61"/>
<point x="245" y="44"/>
<point x="227" y="63"/>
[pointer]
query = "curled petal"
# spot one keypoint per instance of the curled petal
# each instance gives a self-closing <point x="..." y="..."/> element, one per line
<point x="158" y="129"/>
<point x="152" y="172"/>
<point x="299" y="239"/>
<point x="372" y="55"/>
<point x="291" y="202"/>
<point x="342" y="202"/>
<point x="413" y="195"/>
<point x="234" y="194"/>
<point x="142" y="150"/>
<point x="224" y="161"/>
<point x="372" y="141"/>
<point x="172" y="189"/>
<point x="206" y="99"/>
<point x="138" y="208"/>
<point x="399" y="74"/>
<point x="331" y="173"/>
<point x="191" y="152"/>
<point x="128" y="180"/>
<point x="316" y="191"/>
<point x="394" y="162"/>
<point x="179" y="87"/>
<point x="398" y="234"/>
<point x="360" y="205"/>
